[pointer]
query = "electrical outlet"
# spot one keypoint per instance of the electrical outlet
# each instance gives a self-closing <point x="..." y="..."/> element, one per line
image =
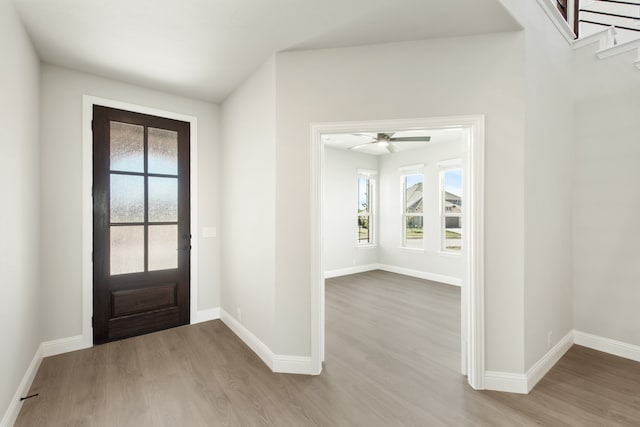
<point x="239" y="313"/>
<point x="549" y="337"/>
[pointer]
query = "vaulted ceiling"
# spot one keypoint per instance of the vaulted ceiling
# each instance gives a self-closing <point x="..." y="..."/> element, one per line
<point x="205" y="48"/>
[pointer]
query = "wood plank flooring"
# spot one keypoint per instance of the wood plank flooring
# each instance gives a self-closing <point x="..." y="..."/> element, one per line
<point x="392" y="359"/>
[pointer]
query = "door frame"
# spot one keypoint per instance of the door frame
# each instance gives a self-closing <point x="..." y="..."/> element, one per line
<point x="472" y="293"/>
<point x="88" y="102"/>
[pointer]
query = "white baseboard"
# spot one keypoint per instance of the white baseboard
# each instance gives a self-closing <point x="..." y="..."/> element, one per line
<point x="350" y="270"/>
<point x="542" y="366"/>
<point x="607" y="345"/>
<point x="292" y="364"/>
<point x="505" y="381"/>
<point x="449" y="280"/>
<point x="254" y="343"/>
<point x="11" y="414"/>
<point x="63" y="345"/>
<point x="206" y="315"/>
<point x="524" y="383"/>
<point x="277" y="363"/>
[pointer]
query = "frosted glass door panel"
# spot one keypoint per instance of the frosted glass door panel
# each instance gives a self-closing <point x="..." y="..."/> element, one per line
<point x="127" y="249"/>
<point x="163" y="151"/>
<point x="127" y="198"/>
<point x="163" y="199"/>
<point x="163" y="247"/>
<point x="127" y="147"/>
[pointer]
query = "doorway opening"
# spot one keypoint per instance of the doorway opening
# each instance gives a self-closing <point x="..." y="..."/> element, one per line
<point x="451" y="226"/>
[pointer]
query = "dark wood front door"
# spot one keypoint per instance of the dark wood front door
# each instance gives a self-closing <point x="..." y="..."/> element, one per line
<point x="141" y="231"/>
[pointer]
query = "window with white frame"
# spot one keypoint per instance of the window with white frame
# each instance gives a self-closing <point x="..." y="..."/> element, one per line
<point x="412" y="182"/>
<point x="451" y="207"/>
<point x="366" y="200"/>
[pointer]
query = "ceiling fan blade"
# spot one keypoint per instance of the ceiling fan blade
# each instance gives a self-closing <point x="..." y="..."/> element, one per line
<point x="391" y="148"/>
<point x="355" y="147"/>
<point x="373" y="138"/>
<point x="412" y="139"/>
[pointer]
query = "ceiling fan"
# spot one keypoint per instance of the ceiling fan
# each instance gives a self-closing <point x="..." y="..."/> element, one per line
<point x="386" y="141"/>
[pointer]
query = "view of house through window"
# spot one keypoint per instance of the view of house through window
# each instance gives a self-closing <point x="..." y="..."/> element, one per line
<point x="366" y="184"/>
<point x="451" y="213"/>
<point x="412" y="217"/>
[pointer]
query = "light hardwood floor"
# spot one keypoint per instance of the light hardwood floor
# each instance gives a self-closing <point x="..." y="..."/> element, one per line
<point x="392" y="360"/>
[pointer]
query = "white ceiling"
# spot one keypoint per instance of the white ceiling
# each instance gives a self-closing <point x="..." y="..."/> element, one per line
<point x="206" y="48"/>
<point x="346" y="141"/>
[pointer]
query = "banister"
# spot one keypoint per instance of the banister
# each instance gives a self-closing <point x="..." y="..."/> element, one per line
<point x="588" y="15"/>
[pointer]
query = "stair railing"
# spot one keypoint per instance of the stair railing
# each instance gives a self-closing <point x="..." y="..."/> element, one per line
<point x="588" y="15"/>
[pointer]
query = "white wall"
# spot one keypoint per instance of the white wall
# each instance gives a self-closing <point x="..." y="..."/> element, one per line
<point x="341" y="211"/>
<point x="61" y="172"/>
<point x="20" y="319"/>
<point x="547" y="175"/>
<point x="248" y="198"/>
<point x="474" y="75"/>
<point x="431" y="260"/>
<point x="606" y="203"/>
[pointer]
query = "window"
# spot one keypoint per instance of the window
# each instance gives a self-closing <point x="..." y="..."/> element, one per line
<point x="412" y="209"/>
<point x="366" y="199"/>
<point x="451" y="209"/>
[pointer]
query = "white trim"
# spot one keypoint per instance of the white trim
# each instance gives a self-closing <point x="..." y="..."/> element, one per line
<point x="505" y="381"/>
<point x="367" y="246"/>
<point x="408" y="249"/>
<point x="411" y="168"/>
<point x="556" y="17"/>
<point x="88" y="102"/>
<point x="450" y="164"/>
<point x="206" y="315"/>
<point x="292" y="364"/>
<point x="544" y="365"/>
<point x="571" y="15"/>
<point x="252" y="341"/>
<point x="63" y="345"/>
<point x="617" y="49"/>
<point x="472" y="307"/>
<point x="350" y="270"/>
<point x="276" y="362"/>
<point x="524" y="383"/>
<point x="449" y="280"/>
<point x="450" y="254"/>
<point x="12" y="412"/>
<point x="367" y="172"/>
<point x="607" y="345"/>
<point x="604" y="38"/>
